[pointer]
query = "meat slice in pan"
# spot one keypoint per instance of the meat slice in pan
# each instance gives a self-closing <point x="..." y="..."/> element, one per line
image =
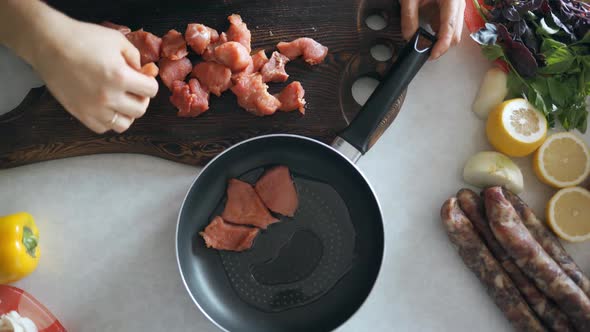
<point x="292" y="98"/>
<point x="259" y="59"/>
<point x="224" y="236"/>
<point x="199" y="36"/>
<point x="233" y="55"/>
<point x="121" y="28"/>
<point x="253" y="95"/>
<point x="274" y="69"/>
<point x="148" y="44"/>
<point x="245" y="207"/>
<point x="174" y="70"/>
<point x="173" y="45"/>
<point x="277" y="190"/>
<point x="190" y="99"/>
<point x="312" y="51"/>
<point x="238" y="31"/>
<point x="216" y="77"/>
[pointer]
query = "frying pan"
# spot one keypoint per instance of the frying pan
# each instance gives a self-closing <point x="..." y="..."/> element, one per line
<point x="306" y="273"/>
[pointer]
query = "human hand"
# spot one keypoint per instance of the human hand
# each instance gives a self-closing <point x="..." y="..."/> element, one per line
<point x="94" y="73"/>
<point x="446" y="17"/>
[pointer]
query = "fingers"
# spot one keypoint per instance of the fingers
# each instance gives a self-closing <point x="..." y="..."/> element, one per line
<point x="459" y="25"/>
<point x="131" y="54"/>
<point x="121" y="123"/>
<point x="409" y="13"/>
<point x="448" y="22"/>
<point x="130" y="105"/>
<point x="140" y="84"/>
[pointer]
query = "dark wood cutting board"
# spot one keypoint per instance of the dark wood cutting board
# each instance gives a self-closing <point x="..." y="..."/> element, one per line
<point x="40" y="129"/>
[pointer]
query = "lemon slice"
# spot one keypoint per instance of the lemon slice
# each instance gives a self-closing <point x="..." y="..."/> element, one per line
<point x="568" y="214"/>
<point x="516" y="128"/>
<point x="562" y="161"/>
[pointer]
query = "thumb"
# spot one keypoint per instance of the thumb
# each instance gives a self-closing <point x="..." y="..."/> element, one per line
<point x="131" y="55"/>
<point x="409" y="14"/>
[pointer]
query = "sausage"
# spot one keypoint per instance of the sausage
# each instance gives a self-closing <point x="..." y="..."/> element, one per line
<point x="534" y="261"/>
<point x="480" y="261"/>
<point x="472" y="205"/>
<point x="549" y="242"/>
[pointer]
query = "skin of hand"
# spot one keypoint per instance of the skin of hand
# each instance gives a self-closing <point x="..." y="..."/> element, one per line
<point x="93" y="71"/>
<point x="445" y="16"/>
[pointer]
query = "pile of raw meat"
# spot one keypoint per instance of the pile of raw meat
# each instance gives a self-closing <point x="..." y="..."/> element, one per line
<point x="227" y="65"/>
<point x="248" y="206"/>
<point x="524" y="267"/>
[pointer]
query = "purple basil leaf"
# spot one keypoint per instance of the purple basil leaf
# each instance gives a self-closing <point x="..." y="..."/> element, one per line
<point x="563" y="27"/>
<point x="526" y="6"/>
<point x="517" y="53"/>
<point x="511" y="14"/>
<point x="529" y="38"/>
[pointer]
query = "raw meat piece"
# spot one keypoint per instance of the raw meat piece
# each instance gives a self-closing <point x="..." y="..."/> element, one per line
<point x="312" y="51"/>
<point x="253" y="95"/>
<point x="173" y="45"/>
<point x="209" y="53"/>
<point x="238" y="31"/>
<point x="274" y="69"/>
<point x="174" y="70"/>
<point x="199" y="36"/>
<point x="150" y="69"/>
<point x="233" y="55"/>
<point x="121" y="28"/>
<point x="148" y="45"/>
<point x="258" y="60"/>
<point x="244" y="207"/>
<point x="291" y="98"/>
<point x="223" y="236"/>
<point x="277" y="190"/>
<point x="216" y="77"/>
<point x="191" y="99"/>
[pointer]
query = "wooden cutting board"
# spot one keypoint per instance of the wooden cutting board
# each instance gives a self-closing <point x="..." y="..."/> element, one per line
<point x="40" y="129"/>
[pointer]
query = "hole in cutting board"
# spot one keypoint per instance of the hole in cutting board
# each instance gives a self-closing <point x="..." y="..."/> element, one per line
<point x="376" y="22"/>
<point x="362" y="88"/>
<point x="381" y="52"/>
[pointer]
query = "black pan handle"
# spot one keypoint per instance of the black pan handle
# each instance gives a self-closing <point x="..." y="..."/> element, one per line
<point x="410" y="60"/>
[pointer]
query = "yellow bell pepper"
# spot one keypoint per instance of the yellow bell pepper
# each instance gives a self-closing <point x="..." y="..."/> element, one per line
<point x="19" y="247"/>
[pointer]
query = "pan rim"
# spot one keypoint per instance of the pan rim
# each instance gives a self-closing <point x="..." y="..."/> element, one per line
<point x="212" y="161"/>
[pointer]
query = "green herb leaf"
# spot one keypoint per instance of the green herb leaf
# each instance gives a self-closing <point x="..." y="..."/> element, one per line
<point x="492" y="52"/>
<point x="562" y="89"/>
<point x="558" y="57"/>
<point x="515" y="86"/>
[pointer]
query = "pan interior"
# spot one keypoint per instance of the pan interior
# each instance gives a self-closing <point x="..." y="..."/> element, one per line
<point x="310" y="272"/>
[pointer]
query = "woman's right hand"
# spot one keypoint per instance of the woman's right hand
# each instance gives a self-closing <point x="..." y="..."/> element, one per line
<point x="94" y="72"/>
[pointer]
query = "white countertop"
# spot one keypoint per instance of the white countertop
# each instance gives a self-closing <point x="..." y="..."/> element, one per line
<point x="107" y="222"/>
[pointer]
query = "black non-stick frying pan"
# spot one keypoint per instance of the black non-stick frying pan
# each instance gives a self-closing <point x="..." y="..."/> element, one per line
<point x="306" y="273"/>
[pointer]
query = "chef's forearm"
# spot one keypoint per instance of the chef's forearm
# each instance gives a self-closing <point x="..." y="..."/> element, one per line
<point x="28" y="27"/>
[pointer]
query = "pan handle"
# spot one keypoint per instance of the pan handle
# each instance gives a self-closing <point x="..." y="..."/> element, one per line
<point x="357" y="136"/>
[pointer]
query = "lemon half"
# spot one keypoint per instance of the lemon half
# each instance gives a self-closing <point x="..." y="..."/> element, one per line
<point x="516" y="128"/>
<point x="568" y="214"/>
<point x="562" y="161"/>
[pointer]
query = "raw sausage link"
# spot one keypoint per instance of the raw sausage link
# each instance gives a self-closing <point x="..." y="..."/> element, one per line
<point x="480" y="261"/>
<point x="549" y="242"/>
<point x="472" y="205"/>
<point x="534" y="261"/>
